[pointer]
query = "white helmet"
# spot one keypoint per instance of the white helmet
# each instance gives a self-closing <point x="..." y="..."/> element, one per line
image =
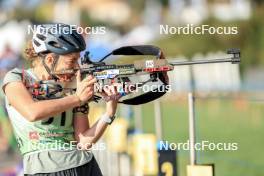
<point x="57" y="38"/>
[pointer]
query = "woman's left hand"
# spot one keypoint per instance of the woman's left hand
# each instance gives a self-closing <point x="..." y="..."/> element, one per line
<point x="111" y="96"/>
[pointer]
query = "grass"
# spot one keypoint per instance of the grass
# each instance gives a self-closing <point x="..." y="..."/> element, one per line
<point x="229" y="121"/>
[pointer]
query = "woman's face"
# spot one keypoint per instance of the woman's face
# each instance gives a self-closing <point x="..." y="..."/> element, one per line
<point x="67" y="62"/>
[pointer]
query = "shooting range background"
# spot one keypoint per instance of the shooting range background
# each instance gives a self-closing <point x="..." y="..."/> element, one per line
<point x="230" y="98"/>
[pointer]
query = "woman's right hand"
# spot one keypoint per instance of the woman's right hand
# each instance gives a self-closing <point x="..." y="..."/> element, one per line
<point x="85" y="87"/>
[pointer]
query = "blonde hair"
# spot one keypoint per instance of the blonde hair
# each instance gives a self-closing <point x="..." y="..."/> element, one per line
<point x="30" y="55"/>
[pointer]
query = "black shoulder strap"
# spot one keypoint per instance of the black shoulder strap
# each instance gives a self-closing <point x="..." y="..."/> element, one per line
<point x="137" y="50"/>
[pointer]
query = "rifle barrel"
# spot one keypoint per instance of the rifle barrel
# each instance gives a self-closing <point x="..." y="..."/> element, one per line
<point x="178" y="63"/>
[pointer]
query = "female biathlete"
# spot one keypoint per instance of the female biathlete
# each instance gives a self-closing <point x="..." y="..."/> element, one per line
<point x="54" y="134"/>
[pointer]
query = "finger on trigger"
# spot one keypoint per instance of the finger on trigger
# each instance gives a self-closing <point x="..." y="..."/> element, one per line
<point x="107" y="91"/>
<point x="103" y="94"/>
<point x="111" y="90"/>
<point x="115" y="90"/>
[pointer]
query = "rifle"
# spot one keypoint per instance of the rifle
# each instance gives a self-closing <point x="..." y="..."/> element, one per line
<point x="120" y="73"/>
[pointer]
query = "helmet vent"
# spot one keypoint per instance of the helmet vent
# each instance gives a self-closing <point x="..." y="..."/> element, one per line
<point x="76" y="38"/>
<point x="66" y="41"/>
<point x="36" y="43"/>
<point x="54" y="44"/>
<point x="41" y="37"/>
